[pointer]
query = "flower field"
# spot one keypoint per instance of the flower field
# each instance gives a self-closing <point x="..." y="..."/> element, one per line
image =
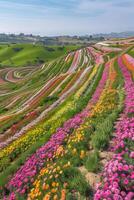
<point x="67" y="127"/>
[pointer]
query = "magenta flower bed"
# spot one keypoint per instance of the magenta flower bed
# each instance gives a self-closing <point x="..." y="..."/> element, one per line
<point x="118" y="174"/>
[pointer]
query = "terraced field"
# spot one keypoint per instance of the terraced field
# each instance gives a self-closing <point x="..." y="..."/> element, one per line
<point x="67" y="126"/>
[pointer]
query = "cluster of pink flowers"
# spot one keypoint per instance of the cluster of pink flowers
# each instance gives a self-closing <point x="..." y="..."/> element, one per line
<point x="97" y="56"/>
<point x="118" y="174"/>
<point x="102" y="82"/>
<point x="129" y="88"/>
<point x="76" y="61"/>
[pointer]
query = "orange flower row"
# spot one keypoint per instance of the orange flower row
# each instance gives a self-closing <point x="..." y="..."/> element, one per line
<point x="127" y="62"/>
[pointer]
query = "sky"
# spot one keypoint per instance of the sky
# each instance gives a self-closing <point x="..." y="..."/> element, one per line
<point x="66" y="17"/>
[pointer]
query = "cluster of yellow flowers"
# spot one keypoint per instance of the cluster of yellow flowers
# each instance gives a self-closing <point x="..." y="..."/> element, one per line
<point x="106" y="102"/>
<point x="48" y="185"/>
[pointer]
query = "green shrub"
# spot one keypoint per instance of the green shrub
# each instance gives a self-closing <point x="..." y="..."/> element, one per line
<point x="101" y="136"/>
<point x="92" y="162"/>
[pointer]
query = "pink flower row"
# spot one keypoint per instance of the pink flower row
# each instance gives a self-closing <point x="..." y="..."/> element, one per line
<point x="96" y="55"/>
<point x="101" y="85"/>
<point x="118" y="174"/>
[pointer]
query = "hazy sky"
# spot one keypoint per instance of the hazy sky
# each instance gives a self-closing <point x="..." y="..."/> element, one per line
<point x="58" y="17"/>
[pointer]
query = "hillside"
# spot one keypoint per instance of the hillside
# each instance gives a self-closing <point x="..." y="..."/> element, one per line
<point x="67" y="125"/>
<point x="16" y="55"/>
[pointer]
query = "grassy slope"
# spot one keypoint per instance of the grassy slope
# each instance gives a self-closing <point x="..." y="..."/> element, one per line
<point x="29" y="54"/>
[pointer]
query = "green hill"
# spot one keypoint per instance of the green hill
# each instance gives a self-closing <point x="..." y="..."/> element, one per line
<point x="16" y="55"/>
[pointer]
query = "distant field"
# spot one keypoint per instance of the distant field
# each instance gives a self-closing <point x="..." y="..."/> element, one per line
<point x="16" y="55"/>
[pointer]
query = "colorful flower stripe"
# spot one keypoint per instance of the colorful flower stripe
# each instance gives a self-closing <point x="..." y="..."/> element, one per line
<point x="128" y="61"/>
<point x="96" y="56"/>
<point x="99" y="89"/>
<point x="36" y="161"/>
<point x="118" y="175"/>
<point x="38" y="131"/>
<point x="49" y="180"/>
<point x="107" y="100"/>
<point x="76" y="61"/>
<point x="87" y="83"/>
<point x="129" y="87"/>
<point x="70" y="84"/>
<point x="29" y="170"/>
<point x="69" y="56"/>
<point x="53" y="179"/>
<point x="47" y="90"/>
<point x="107" y="49"/>
<point x="32" y="105"/>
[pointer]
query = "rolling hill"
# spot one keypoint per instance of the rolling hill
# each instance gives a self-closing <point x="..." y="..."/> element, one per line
<point x="16" y="55"/>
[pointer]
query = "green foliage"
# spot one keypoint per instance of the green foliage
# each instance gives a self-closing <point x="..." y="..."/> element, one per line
<point x="92" y="162"/>
<point x="2" y="110"/>
<point x="103" y="131"/>
<point x="77" y="181"/>
<point x="119" y="82"/>
<point x="48" y="100"/>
